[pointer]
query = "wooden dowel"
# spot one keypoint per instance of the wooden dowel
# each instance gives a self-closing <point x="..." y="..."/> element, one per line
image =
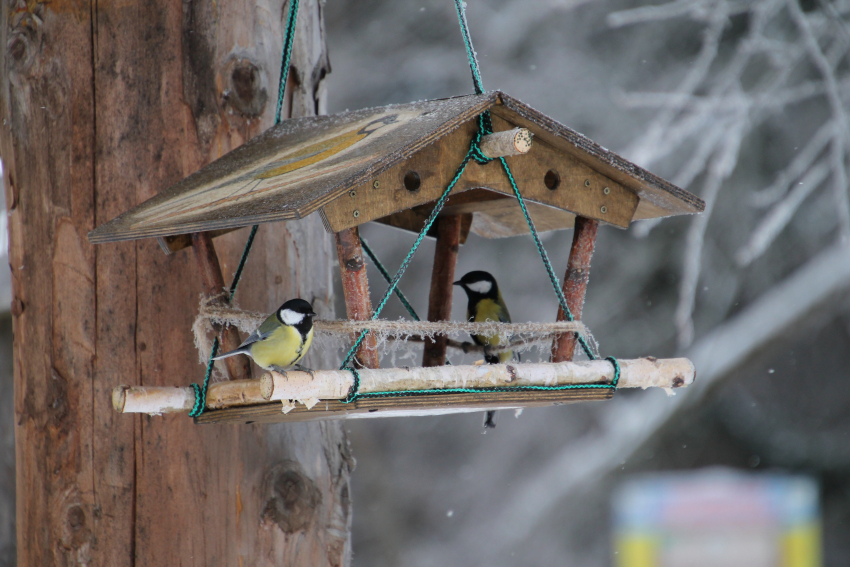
<point x="442" y="277"/>
<point x="508" y="143"/>
<point x="335" y="384"/>
<point x="575" y="283"/>
<point x="238" y="367"/>
<point x="355" y="286"/>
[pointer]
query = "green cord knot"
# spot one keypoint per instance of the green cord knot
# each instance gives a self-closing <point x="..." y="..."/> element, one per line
<point x="616" y="364"/>
<point x="200" y="401"/>
<point x="485" y="127"/>
<point x="354" y="392"/>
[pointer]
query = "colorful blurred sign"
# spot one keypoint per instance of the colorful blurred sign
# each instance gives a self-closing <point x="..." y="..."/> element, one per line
<point x="717" y="517"/>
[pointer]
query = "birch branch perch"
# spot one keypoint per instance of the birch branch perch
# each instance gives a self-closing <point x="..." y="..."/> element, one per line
<point x="335" y="384"/>
<point x="508" y="143"/>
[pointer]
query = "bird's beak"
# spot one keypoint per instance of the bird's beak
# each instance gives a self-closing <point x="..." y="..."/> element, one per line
<point x="313" y="314"/>
<point x="457" y="283"/>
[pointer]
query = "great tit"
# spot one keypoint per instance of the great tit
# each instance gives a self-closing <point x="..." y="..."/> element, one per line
<point x="282" y="340"/>
<point x="486" y="304"/>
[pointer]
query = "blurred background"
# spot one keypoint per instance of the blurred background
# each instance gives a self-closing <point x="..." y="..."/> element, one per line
<point x="742" y="102"/>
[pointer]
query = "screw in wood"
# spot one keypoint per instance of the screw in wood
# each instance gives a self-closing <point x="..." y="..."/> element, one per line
<point x="606" y="190"/>
<point x="587" y="182"/>
<point x="604" y="209"/>
<point x="357" y="213"/>
<point x="376" y="184"/>
<point x="352" y="194"/>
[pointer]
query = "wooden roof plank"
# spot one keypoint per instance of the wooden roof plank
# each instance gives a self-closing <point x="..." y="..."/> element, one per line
<point x="264" y="181"/>
<point x="302" y="165"/>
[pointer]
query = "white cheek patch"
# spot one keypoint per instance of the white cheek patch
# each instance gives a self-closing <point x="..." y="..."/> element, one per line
<point x="481" y="287"/>
<point x="290" y="317"/>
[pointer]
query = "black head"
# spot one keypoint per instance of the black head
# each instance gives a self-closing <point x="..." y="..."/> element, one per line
<point x="479" y="284"/>
<point x="297" y="313"/>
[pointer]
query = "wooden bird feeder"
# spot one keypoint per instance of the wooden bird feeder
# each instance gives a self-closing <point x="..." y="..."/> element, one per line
<point x="390" y="165"/>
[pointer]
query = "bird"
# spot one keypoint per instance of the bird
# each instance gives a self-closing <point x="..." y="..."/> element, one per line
<point x="486" y="304"/>
<point x="282" y="340"/>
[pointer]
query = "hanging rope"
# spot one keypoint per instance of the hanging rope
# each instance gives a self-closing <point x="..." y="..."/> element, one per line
<point x="474" y="153"/>
<point x="288" y="37"/>
<point x="484" y="127"/>
<point x="383" y="271"/>
<point x="556" y="285"/>
<point x="394" y="282"/>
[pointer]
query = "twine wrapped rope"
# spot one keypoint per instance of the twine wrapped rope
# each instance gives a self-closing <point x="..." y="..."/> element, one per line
<point x="515" y="336"/>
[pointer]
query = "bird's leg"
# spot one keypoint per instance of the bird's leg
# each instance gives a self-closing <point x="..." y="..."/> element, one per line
<point x="280" y="370"/>
<point x="488" y="420"/>
<point x="312" y="373"/>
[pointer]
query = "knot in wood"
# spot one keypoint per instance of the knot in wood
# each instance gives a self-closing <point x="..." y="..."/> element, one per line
<point x="246" y="93"/>
<point x="25" y="42"/>
<point x="354" y="264"/>
<point x="292" y="498"/>
<point x="17" y="307"/>
<point x="76" y="533"/>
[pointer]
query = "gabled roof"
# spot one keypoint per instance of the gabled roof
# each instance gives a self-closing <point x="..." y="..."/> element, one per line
<point x="302" y="164"/>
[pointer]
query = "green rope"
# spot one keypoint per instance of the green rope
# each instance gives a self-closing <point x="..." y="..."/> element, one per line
<point x="394" y="282"/>
<point x="289" y="35"/>
<point x="484" y="127"/>
<point x="470" y="51"/>
<point x="354" y="393"/>
<point x="288" y="38"/>
<point x="383" y="271"/>
<point x="556" y="285"/>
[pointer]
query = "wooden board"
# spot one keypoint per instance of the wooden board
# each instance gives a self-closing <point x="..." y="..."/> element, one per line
<point x="103" y="104"/>
<point x="577" y="188"/>
<point x="495" y="215"/>
<point x="334" y="161"/>
<point x="294" y="168"/>
<point x="402" y="406"/>
<point x="658" y="197"/>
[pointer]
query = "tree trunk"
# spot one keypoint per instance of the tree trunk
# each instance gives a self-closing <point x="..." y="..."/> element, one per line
<point x="103" y="105"/>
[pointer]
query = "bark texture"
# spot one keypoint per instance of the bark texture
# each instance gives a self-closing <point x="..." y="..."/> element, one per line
<point x="442" y="278"/>
<point x="355" y="286"/>
<point x="575" y="284"/>
<point x="103" y="105"/>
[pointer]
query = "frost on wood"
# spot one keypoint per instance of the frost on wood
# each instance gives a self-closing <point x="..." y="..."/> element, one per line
<point x="737" y="84"/>
<point x="393" y="336"/>
<point x="306" y="388"/>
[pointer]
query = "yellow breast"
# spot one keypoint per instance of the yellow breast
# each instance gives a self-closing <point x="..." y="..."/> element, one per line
<point x="282" y="348"/>
<point x="488" y="310"/>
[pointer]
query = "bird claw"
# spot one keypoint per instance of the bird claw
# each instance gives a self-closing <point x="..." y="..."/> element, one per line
<point x="309" y="371"/>
<point x="280" y="370"/>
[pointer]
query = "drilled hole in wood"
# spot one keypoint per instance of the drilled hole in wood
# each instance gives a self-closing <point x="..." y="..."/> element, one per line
<point x="412" y="181"/>
<point x="552" y="180"/>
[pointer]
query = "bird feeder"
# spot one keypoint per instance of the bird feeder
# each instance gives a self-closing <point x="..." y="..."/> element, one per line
<point x="390" y="165"/>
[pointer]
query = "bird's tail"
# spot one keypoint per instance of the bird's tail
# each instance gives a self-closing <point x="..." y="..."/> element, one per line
<point x="231" y="353"/>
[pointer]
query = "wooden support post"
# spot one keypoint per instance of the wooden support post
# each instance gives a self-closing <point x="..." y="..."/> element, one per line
<point x="442" y="277"/>
<point x="96" y="490"/>
<point x="575" y="283"/>
<point x="355" y="285"/>
<point x="239" y="367"/>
